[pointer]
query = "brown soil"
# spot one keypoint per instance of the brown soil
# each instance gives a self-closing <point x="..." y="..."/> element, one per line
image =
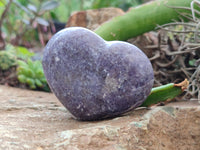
<point x="9" y="78"/>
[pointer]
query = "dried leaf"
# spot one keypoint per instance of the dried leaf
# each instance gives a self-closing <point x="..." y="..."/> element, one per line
<point x="183" y="85"/>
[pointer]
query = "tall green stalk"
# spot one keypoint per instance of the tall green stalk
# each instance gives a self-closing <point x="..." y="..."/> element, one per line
<point x="142" y="19"/>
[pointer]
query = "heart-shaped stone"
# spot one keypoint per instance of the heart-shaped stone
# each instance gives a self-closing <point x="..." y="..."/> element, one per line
<point x="95" y="79"/>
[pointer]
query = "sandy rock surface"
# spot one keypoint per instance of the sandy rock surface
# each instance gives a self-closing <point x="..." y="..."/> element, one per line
<point x="36" y="121"/>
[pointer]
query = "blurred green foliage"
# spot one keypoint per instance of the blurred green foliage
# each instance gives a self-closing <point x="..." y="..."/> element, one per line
<point x="125" y="5"/>
<point x="19" y="51"/>
<point x="7" y="60"/>
<point x="23" y="17"/>
<point x="67" y="7"/>
<point x="21" y="26"/>
<point x="31" y="73"/>
<point x="28" y="71"/>
<point x="11" y="54"/>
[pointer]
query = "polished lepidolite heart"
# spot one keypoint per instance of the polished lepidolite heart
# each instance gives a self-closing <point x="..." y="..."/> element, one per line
<point x="95" y="79"/>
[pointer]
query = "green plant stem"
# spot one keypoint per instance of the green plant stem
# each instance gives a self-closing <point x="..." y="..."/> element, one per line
<point x="164" y="93"/>
<point x="142" y="19"/>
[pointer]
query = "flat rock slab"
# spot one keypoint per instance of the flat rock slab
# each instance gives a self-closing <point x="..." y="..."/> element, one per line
<point x="36" y="121"/>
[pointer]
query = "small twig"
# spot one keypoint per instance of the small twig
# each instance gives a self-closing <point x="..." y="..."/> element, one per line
<point x="181" y="52"/>
<point x="179" y="70"/>
<point x="186" y="8"/>
<point x="197" y="70"/>
<point x="194" y="10"/>
<point x="185" y="72"/>
<point x="186" y="15"/>
<point x="191" y="45"/>
<point x="157" y="55"/>
<point x="196" y="32"/>
<point x="176" y="23"/>
<point x="168" y="64"/>
<point x="188" y="31"/>
<point x="157" y="82"/>
<point x="151" y="46"/>
<point x="182" y="40"/>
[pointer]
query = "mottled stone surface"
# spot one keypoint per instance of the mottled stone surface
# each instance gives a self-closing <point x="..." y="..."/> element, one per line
<point x="95" y="79"/>
<point x="37" y="121"/>
<point x="91" y="19"/>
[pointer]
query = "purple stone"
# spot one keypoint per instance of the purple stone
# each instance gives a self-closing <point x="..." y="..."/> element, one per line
<point x="95" y="79"/>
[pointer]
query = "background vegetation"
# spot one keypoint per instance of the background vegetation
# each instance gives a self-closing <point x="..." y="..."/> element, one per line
<point x="22" y="22"/>
<point x="28" y="24"/>
<point x="68" y="6"/>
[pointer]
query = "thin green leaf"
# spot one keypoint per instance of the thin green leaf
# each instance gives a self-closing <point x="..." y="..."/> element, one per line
<point x="32" y="8"/>
<point x="42" y="21"/>
<point x="192" y="62"/>
<point x="31" y="83"/>
<point x="49" y="5"/>
<point x="27" y="22"/>
<point x="23" y="53"/>
<point x="26" y="71"/>
<point x="23" y="8"/>
<point x="22" y="63"/>
<point x="37" y="65"/>
<point x="165" y="92"/>
<point x="32" y="86"/>
<point x="39" y="73"/>
<point x="38" y="83"/>
<point x="44" y="80"/>
<point x="31" y="64"/>
<point x="2" y="3"/>
<point x="22" y="78"/>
